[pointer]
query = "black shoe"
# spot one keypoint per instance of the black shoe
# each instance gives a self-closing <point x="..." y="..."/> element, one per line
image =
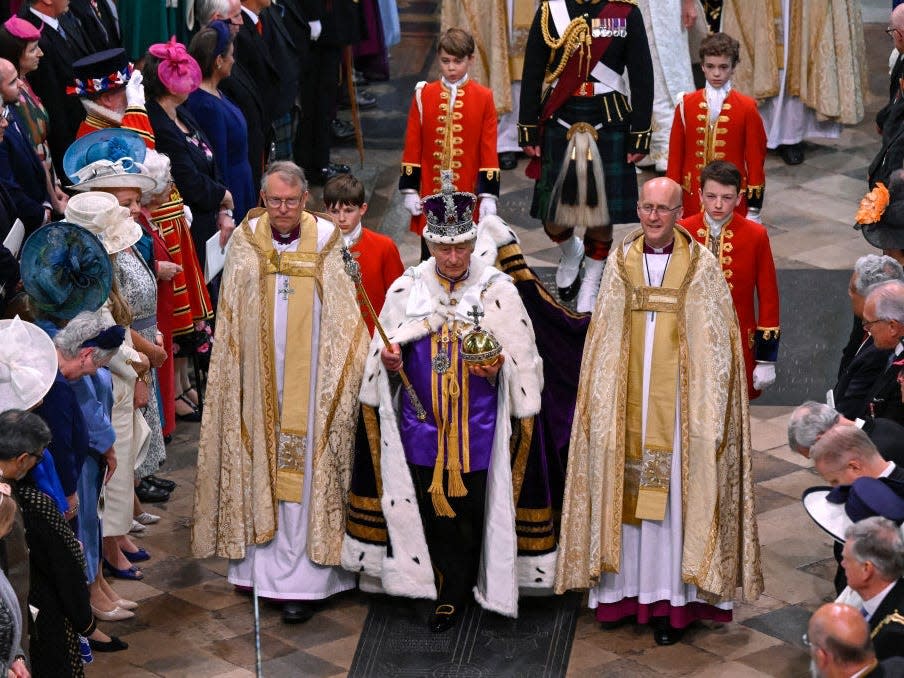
<point x="297" y="612"/>
<point x="508" y="160"/>
<point x="149" y="494"/>
<point x="162" y="483"/>
<point x="666" y="634"/>
<point x="792" y="154"/>
<point x="444" y="617"/>
<point x="112" y="645"/>
<point x="342" y="130"/>
<point x="364" y="98"/>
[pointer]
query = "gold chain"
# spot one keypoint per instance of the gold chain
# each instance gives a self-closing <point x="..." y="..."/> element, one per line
<point x="575" y="38"/>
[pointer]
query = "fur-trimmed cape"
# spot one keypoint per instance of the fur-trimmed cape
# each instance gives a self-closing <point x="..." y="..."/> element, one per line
<point x="405" y="569"/>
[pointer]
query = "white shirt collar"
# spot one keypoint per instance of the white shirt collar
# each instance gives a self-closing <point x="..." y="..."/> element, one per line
<point x="251" y="15"/>
<point x="352" y="236"/>
<point x="887" y="470"/>
<point x="720" y="91"/>
<point x="51" y="21"/>
<point x="458" y="83"/>
<point x="873" y="603"/>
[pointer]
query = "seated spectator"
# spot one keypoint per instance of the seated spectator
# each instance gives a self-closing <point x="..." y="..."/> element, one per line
<point x="22" y="173"/>
<point x="838" y="640"/>
<point x="221" y="120"/>
<point x="880" y="217"/>
<point x="19" y="45"/>
<point x="844" y="453"/>
<point x="883" y="318"/>
<point x="810" y="420"/>
<point x="873" y="560"/>
<point x="862" y="361"/>
<point x="170" y="75"/>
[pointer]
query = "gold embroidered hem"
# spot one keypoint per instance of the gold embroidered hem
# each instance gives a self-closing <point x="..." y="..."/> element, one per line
<point x="238" y="487"/>
<point x="720" y="546"/>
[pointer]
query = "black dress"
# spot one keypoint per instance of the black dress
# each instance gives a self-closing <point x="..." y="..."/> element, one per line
<point x="58" y="588"/>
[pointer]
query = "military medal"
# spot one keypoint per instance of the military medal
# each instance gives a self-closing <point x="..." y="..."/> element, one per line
<point x="440" y="363"/>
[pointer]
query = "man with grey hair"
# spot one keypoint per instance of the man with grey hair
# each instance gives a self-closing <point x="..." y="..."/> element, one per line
<point x="811" y="419"/>
<point x="862" y="362"/>
<point x="278" y="429"/>
<point x="229" y="11"/>
<point x="873" y="560"/>
<point x="883" y="318"/>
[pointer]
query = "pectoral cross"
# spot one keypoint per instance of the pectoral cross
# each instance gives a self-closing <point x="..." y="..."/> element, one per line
<point x="285" y="290"/>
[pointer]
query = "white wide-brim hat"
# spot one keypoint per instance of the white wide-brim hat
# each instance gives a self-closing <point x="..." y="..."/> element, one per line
<point x="124" y="173"/>
<point x="28" y="364"/>
<point x="831" y="517"/>
<point x="101" y="214"/>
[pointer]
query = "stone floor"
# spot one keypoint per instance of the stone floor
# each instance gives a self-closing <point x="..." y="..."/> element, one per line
<point x="191" y="623"/>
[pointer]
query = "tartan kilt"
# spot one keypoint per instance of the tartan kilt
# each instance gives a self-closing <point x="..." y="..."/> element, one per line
<point x="612" y="142"/>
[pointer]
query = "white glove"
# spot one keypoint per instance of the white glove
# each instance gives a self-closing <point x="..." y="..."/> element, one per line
<point x="754" y="215"/>
<point x="413" y="203"/>
<point x="487" y="206"/>
<point x="763" y="375"/>
<point x="189" y="217"/>
<point x="135" y="90"/>
<point x="316" y="29"/>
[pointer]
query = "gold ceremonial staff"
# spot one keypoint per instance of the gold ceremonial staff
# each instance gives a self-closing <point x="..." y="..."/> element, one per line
<point x="354" y="272"/>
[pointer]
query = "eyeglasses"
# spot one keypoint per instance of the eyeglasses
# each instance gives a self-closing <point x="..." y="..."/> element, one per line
<point x="276" y="203"/>
<point x="660" y="210"/>
<point x="869" y="324"/>
<point x="890" y="30"/>
<point x="805" y="639"/>
<point x="38" y="455"/>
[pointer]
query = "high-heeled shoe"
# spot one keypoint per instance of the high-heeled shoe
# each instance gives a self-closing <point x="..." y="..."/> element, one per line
<point x="112" y="645"/>
<point x="132" y="573"/>
<point x="126" y="604"/>
<point x="116" y="614"/>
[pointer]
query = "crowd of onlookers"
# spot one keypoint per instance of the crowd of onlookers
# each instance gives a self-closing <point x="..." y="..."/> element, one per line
<point x="135" y="134"/>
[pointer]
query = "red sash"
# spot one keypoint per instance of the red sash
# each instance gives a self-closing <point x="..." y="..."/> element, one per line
<point x="572" y="77"/>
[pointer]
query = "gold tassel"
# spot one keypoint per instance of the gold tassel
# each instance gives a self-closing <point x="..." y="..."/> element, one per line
<point x="456" y="484"/>
<point x="441" y="506"/>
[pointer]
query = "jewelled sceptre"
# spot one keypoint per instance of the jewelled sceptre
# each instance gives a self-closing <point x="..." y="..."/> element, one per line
<point x="353" y="269"/>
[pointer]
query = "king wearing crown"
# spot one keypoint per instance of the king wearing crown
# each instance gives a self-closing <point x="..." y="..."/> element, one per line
<point x="447" y="485"/>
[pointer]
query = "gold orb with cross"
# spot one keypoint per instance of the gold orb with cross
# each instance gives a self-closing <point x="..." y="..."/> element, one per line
<point x="479" y="347"/>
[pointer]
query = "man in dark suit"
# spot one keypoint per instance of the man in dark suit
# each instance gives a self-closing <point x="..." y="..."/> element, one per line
<point x="883" y="318"/>
<point x="896" y="31"/>
<point x="63" y="42"/>
<point x="334" y="25"/>
<point x="283" y="51"/>
<point x="98" y="21"/>
<point x="22" y="173"/>
<point x="252" y="52"/>
<point x="862" y="362"/>
<point x="873" y="559"/>
<point x="839" y="644"/>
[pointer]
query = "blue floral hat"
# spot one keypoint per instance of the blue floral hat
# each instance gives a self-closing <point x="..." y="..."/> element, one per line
<point x="107" y="158"/>
<point x="65" y="270"/>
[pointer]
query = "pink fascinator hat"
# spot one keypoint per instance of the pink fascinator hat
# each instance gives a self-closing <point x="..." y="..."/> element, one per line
<point x="178" y="70"/>
<point x="22" y="29"/>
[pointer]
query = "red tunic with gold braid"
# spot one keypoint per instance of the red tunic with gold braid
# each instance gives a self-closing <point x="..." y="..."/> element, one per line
<point x="746" y="257"/>
<point x="192" y="300"/>
<point x="737" y="136"/>
<point x="381" y="265"/>
<point x="464" y="142"/>
<point x="135" y="119"/>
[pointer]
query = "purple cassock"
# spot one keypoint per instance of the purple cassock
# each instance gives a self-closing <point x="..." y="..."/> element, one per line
<point x="472" y="416"/>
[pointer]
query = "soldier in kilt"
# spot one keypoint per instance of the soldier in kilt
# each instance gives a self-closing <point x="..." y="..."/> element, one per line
<point x="584" y="129"/>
